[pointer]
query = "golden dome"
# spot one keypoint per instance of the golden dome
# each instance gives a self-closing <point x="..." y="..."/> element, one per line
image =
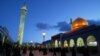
<point x="79" y="23"/>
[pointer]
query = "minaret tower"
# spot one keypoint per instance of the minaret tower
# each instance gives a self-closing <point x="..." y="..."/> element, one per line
<point x="71" y="23"/>
<point x="22" y="21"/>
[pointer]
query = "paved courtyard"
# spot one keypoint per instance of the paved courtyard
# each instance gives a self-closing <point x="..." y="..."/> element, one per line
<point x="37" y="53"/>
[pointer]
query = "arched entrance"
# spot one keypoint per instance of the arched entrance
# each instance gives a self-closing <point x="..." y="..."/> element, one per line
<point x="59" y="43"/>
<point x="80" y="42"/>
<point x="71" y="43"/>
<point x="65" y="44"/>
<point x="56" y="43"/>
<point x="91" y="41"/>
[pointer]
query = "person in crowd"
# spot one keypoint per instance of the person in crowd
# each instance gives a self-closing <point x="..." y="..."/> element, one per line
<point x="44" y="51"/>
<point x="8" y="51"/>
<point x="31" y="53"/>
<point x="85" y="52"/>
<point x="63" y="53"/>
<point x="54" y="52"/>
<point x="24" y="50"/>
<point x="73" y="51"/>
<point x="16" y="50"/>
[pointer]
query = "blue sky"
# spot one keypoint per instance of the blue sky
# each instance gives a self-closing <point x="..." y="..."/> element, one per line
<point x="50" y="16"/>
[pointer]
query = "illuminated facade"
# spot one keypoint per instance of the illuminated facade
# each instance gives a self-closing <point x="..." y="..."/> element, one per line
<point x="21" y="25"/>
<point x="81" y="34"/>
<point x="4" y="36"/>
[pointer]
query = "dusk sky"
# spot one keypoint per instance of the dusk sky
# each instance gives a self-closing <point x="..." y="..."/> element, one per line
<point x="50" y="16"/>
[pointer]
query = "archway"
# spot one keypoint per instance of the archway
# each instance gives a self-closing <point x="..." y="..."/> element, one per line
<point x="56" y="43"/>
<point x="91" y="41"/>
<point x="59" y="43"/>
<point x="65" y="44"/>
<point x="71" y="43"/>
<point x="80" y="42"/>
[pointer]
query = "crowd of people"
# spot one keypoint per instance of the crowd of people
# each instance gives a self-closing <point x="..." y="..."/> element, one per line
<point x="16" y="50"/>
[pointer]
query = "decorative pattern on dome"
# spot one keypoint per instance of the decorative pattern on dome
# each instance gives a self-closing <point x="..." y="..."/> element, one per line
<point x="79" y="23"/>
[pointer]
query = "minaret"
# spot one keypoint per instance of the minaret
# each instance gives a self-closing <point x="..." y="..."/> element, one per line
<point x="71" y="23"/>
<point x="22" y="21"/>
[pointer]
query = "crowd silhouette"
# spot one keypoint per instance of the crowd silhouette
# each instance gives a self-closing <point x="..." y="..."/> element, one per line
<point x="16" y="50"/>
